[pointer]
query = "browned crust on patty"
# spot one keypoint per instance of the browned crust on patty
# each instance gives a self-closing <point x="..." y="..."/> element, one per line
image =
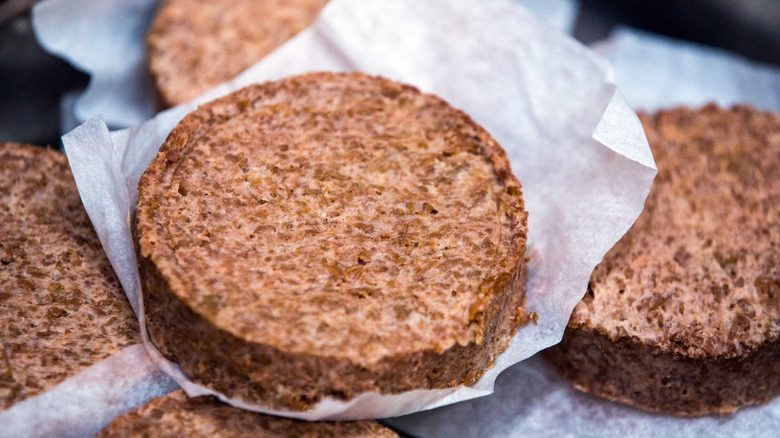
<point x="412" y="293"/>
<point x="175" y="415"/>
<point x="195" y="45"/>
<point x="683" y="314"/>
<point x="61" y="306"/>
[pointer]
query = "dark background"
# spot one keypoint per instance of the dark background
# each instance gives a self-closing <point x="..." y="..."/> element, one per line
<point x="32" y="81"/>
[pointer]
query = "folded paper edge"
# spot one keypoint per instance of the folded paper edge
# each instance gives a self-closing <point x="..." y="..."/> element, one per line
<point x="618" y="112"/>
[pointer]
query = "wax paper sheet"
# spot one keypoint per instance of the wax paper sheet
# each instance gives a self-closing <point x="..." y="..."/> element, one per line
<point x="533" y="400"/>
<point x="576" y="146"/>
<point x="107" y="42"/>
<point x="561" y="14"/>
<point x="656" y="72"/>
<point x="541" y="94"/>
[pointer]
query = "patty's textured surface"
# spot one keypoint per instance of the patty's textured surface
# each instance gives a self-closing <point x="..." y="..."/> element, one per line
<point x="176" y="415"/>
<point x="329" y="234"/>
<point x="61" y="306"/>
<point x="683" y="314"/>
<point x="194" y="45"/>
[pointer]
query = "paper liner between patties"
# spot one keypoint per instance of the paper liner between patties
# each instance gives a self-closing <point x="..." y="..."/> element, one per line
<point x="575" y="145"/>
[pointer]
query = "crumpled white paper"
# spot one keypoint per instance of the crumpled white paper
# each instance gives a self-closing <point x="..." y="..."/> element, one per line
<point x="533" y="400"/>
<point x="561" y="14"/>
<point x="656" y="72"/>
<point x="106" y="40"/>
<point x="577" y="148"/>
<point x="102" y="38"/>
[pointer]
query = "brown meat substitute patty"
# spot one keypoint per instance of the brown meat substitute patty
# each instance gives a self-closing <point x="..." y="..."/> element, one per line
<point x="330" y="234"/>
<point x="683" y="314"/>
<point x="61" y="306"/>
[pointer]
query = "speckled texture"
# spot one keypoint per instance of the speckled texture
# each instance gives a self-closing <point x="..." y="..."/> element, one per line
<point x="329" y="234"/>
<point x="61" y="306"/>
<point x="194" y="45"/>
<point x="175" y="416"/>
<point x="697" y="278"/>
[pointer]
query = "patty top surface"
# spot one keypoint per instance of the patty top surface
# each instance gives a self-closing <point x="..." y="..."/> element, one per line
<point x="699" y="272"/>
<point x="194" y="45"/>
<point x="176" y="415"/>
<point x="61" y="305"/>
<point x="335" y="214"/>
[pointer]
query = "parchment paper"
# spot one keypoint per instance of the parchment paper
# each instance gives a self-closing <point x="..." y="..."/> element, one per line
<point x="575" y="145"/>
<point x="561" y="14"/>
<point x="656" y="72"/>
<point x="106" y="40"/>
<point x="539" y="93"/>
<point x="533" y="400"/>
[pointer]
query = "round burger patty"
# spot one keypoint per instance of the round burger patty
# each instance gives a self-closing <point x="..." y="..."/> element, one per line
<point x="329" y="234"/>
<point x="683" y="315"/>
